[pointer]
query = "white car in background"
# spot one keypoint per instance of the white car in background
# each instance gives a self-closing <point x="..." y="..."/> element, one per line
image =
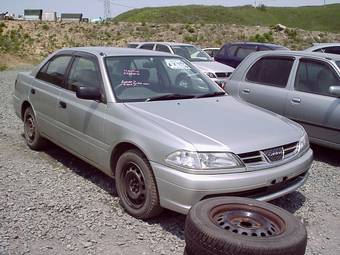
<point x="218" y="72"/>
<point x="333" y="48"/>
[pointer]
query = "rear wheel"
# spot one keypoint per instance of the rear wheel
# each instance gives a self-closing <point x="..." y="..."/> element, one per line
<point x="242" y="226"/>
<point x="31" y="131"/>
<point x="136" y="185"/>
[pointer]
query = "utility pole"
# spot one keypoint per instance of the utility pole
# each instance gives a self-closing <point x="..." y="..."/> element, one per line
<point x="107" y="9"/>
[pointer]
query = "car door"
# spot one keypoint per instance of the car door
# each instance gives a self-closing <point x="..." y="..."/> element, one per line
<point x="265" y="83"/>
<point x="310" y="102"/>
<point x="44" y="95"/>
<point x="82" y="120"/>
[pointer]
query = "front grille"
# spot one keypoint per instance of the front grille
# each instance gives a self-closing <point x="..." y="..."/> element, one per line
<point x="221" y="75"/>
<point x="271" y="155"/>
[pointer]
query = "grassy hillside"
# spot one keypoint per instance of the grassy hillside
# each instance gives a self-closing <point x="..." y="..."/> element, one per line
<point x="316" y="18"/>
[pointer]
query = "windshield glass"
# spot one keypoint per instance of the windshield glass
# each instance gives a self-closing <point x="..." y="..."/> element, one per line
<point x="144" y="78"/>
<point x="191" y="53"/>
<point x="338" y="63"/>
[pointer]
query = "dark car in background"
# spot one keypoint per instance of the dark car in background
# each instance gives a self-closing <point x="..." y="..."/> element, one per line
<point x="232" y="54"/>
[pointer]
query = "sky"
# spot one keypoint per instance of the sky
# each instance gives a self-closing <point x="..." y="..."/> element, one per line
<point x="95" y="8"/>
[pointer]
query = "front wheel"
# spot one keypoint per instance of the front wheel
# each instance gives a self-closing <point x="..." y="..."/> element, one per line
<point x="136" y="185"/>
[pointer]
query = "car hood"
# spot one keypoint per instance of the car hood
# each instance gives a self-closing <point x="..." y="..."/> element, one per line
<point x="219" y="123"/>
<point x="213" y="66"/>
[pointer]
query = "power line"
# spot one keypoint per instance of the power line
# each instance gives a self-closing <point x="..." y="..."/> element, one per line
<point x="122" y="5"/>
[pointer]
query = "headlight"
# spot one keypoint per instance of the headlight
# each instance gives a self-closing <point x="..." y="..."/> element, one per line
<point x="304" y="142"/>
<point x="203" y="160"/>
<point x="210" y="75"/>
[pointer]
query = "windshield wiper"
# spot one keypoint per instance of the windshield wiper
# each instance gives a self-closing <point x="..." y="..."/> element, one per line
<point x="169" y="97"/>
<point x="214" y="94"/>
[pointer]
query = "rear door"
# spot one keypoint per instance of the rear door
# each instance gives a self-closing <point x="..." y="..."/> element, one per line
<point x="82" y="120"/>
<point x="44" y="95"/>
<point x="265" y="83"/>
<point x="310" y="102"/>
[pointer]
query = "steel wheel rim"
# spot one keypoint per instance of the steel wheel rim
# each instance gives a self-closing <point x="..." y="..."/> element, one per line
<point x="247" y="220"/>
<point x="134" y="189"/>
<point x="30" y="128"/>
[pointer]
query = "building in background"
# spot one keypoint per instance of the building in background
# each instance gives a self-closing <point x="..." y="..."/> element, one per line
<point x="49" y="16"/>
<point x="33" y="14"/>
<point x="71" y="17"/>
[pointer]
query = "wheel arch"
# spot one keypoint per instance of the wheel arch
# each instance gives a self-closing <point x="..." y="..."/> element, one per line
<point x="24" y="106"/>
<point x="119" y="149"/>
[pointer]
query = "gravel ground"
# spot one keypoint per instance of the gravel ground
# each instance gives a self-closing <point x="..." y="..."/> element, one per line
<point x="53" y="203"/>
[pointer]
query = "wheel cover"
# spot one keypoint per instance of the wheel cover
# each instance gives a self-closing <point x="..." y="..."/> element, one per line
<point x="30" y="128"/>
<point x="247" y="220"/>
<point x="133" y="183"/>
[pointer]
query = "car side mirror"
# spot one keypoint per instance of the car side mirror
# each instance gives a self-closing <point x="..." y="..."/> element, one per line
<point x="88" y="93"/>
<point x="335" y="90"/>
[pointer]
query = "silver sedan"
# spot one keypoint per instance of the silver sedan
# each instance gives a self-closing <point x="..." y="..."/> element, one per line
<point x="168" y="135"/>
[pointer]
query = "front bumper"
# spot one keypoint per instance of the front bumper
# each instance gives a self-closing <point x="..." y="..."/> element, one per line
<point x="178" y="191"/>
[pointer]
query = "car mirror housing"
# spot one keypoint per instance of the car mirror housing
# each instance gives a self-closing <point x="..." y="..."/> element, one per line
<point x="335" y="90"/>
<point x="88" y="93"/>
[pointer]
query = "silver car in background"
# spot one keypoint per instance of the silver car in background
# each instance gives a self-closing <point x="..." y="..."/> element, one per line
<point x="168" y="135"/>
<point x="333" y="48"/>
<point x="303" y="86"/>
<point x="218" y="72"/>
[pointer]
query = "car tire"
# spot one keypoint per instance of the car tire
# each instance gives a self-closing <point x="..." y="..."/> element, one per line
<point x="211" y="227"/>
<point x="136" y="185"/>
<point x="32" y="135"/>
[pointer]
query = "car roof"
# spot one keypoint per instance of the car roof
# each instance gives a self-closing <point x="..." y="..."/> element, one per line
<point x="166" y="43"/>
<point x="317" y="46"/>
<point x="271" y="45"/>
<point x="319" y="55"/>
<point x="114" y="51"/>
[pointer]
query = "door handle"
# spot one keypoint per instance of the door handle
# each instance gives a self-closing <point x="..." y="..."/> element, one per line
<point x="296" y="100"/>
<point x="62" y="104"/>
<point x="246" y="91"/>
<point x="33" y="91"/>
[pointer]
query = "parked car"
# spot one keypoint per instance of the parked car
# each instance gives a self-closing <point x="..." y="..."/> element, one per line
<point x="333" y="48"/>
<point x="212" y="52"/>
<point x="217" y="72"/>
<point x="168" y="135"/>
<point x="232" y="54"/>
<point x="303" y="86"/>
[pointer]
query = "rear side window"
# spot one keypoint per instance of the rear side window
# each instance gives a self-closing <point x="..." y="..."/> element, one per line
<point x="243" y="52"/>
<point x="163" y="48"/>
<point x="271" y="71"/>
<point x="222" y="52"/>
<point x="333" y="50"/>
<point x="54" y="70"/>
<point x="147" y="46"/>
<point x="315" y="77"/>
<point x="338" y="63"/>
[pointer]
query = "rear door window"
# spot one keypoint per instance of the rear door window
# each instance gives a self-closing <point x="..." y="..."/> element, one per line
<point x="147" y="46"/>
<point x="271" y="71"/>
<point x="315" y="77"/>
<point x="163" y="48"/>
<point x="54" y="71"/>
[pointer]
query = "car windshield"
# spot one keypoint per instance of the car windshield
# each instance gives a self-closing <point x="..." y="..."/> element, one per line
<point x="191" y="53"/>
<point x="338" y="63"/>
<point x="151" y="78"/>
